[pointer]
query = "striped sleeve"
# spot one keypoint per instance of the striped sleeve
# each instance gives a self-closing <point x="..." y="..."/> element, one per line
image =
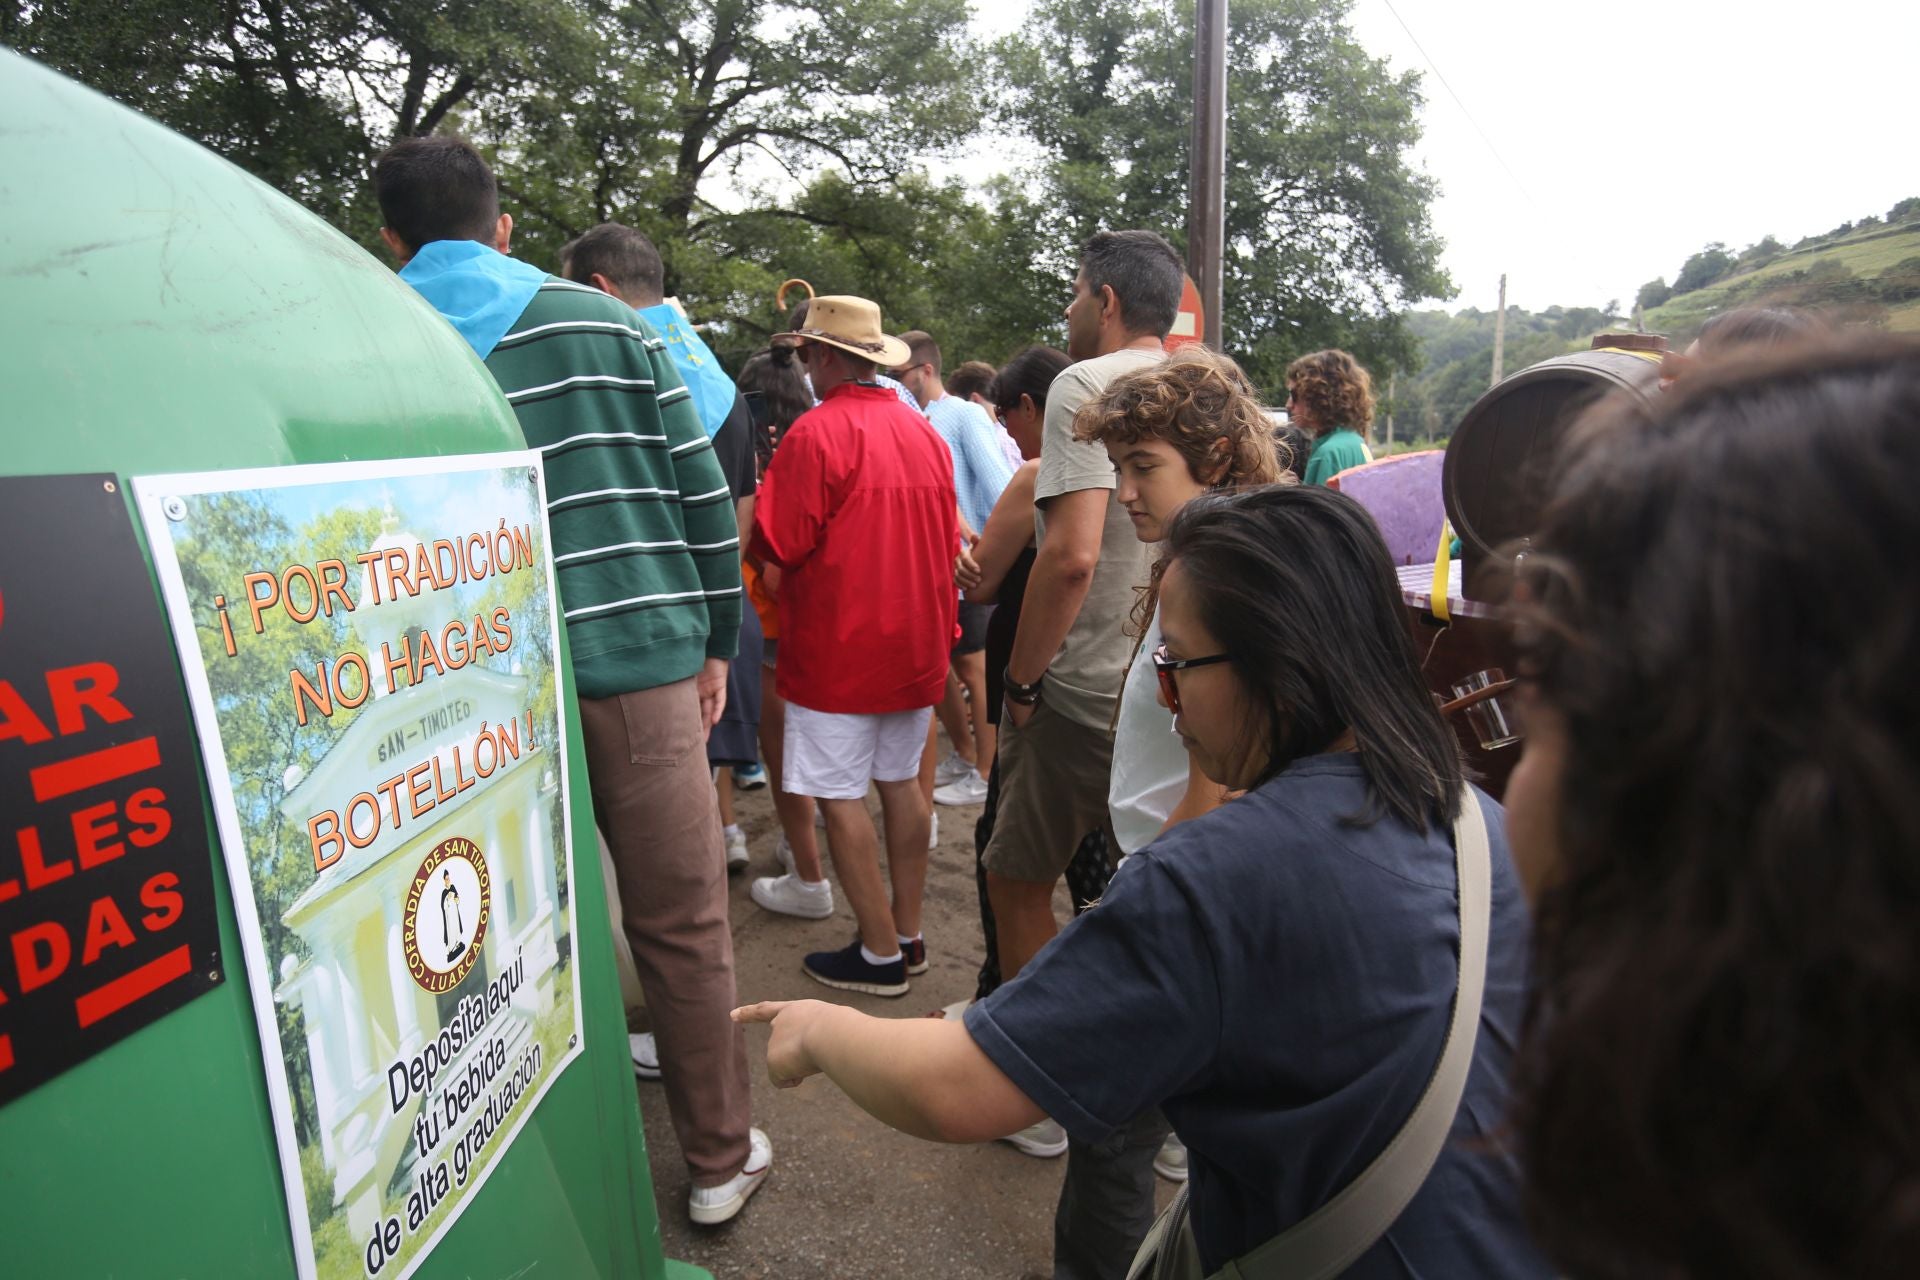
<point x="644" y="561"/>
<point x="706" y="504"/>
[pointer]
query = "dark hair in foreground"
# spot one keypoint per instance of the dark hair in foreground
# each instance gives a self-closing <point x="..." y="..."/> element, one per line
<point x="1297" y="585"/>
<point x="1144" y="272"/>
<point x="436" y="189"/>
<point x="1030" y="372"/>
<point x="1720" y="1074"/>
<point x="623" y="255"/>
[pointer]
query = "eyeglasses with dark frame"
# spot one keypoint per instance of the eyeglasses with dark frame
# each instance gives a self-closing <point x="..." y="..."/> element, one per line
<point x="1164" y="667"/>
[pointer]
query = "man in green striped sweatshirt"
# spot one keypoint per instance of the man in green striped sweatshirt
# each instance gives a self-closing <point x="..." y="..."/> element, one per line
<point x="647" y="556"/>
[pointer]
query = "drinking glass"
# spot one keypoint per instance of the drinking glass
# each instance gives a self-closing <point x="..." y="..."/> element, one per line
<point x="1492" y="716"/>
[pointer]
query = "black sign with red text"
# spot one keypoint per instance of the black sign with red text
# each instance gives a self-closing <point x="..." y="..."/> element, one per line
<point x="106" y="877"/>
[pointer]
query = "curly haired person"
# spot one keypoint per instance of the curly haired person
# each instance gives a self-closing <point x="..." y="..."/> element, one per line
<point x="1330" y="397"/>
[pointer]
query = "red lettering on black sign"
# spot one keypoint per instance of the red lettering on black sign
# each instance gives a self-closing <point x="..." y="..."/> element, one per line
<point x="106" y="875"/>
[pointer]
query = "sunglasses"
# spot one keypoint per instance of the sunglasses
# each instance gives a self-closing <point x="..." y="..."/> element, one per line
<point x="1164" y="667"/>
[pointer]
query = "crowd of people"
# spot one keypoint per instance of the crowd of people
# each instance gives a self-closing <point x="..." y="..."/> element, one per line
<point x="1652" y="1018"/>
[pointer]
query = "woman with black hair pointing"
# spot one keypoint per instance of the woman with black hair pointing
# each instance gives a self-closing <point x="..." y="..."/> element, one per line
<point x="1320" y="983"/>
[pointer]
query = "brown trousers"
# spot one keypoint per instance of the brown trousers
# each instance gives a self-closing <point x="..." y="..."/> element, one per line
<point x="647" y="764"/>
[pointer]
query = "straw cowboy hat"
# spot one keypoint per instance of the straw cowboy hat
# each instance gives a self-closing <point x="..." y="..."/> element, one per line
<point x="852" y="325"/>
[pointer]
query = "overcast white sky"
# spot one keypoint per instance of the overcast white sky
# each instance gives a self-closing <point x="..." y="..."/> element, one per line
<point x="1752" y="119"/>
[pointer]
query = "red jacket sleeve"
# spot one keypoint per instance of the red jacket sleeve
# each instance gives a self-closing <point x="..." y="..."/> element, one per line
<point x="798" y="495"/>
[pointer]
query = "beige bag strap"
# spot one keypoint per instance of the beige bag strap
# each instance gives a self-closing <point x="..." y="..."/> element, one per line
<point x="1168" y="1249"/>
<point x="1330" y="1239"/>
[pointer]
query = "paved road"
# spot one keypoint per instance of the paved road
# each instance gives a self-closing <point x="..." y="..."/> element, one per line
<point x="850" y="1198"/>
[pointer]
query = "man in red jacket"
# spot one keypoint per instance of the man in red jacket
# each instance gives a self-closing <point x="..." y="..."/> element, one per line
<point x="858" y="511"/>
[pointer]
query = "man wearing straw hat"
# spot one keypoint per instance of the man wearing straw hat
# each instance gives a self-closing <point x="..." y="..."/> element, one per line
<point x="858" y="511"/>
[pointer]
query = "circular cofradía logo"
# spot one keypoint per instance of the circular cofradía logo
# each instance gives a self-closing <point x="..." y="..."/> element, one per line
<point x="445" y="917"/>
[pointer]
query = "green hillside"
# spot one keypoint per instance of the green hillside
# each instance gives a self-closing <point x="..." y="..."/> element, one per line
<point x="1457" y="360"/>
<point x="1867" y="275"/>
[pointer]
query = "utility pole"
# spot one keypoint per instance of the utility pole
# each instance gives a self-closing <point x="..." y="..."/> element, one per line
<point x="1500" y="333"/>
<point x="1206" y="208"/>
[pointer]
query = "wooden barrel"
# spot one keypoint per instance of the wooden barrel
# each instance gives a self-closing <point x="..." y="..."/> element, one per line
<point x="1494" y="479"/>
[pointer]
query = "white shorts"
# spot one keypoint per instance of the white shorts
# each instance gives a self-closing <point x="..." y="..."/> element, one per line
<point x="833" y="757"/>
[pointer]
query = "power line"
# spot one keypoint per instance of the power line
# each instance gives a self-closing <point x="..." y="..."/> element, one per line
<point x="1438" y="75"/>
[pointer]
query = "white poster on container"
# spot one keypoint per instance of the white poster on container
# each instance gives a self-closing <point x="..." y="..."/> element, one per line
<point x="370" y="650"/>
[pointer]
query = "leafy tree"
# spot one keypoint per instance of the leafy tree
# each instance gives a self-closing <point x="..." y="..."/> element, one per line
<point x="590" y="109"/>
<point x="1703" y="268"/>
<point x="1900" y="282"/>
<point x="749" y="96"/>
<point x="1458" y="350"/>
<point x="1758" y="255"/>
<point x="932" y="255"/>
<point x="1328" y="233"/>
<point x="1904" y="209"/>
<point x="756" y="139"/>
<point x="305" y="95"/>
<point x="1652" y="294"/>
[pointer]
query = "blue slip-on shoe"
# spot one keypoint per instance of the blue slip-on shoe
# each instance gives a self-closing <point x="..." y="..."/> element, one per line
<point x="848" y="970"/>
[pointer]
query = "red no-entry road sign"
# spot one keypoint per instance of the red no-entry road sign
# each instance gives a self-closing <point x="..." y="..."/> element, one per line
<point x="1189" y="323"/>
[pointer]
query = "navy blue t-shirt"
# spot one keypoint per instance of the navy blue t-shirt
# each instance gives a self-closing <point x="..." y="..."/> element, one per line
<point x="1280" y="983"/>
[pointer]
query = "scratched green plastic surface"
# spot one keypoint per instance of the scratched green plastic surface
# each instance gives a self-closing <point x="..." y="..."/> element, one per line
<point x="163" y="311"/>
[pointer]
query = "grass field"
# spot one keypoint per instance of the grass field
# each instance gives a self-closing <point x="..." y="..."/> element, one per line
<point x="1866" y="254"/>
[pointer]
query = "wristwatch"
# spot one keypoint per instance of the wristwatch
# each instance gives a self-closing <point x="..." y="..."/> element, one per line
<point x="1024" y="695"/>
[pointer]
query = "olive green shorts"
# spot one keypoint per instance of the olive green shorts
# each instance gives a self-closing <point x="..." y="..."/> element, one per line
<point x="1053" y="790"/>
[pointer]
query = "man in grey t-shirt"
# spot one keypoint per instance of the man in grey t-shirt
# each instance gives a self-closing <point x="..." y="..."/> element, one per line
<point x="1070" y="655"/>
<point x="1063" y="683"/>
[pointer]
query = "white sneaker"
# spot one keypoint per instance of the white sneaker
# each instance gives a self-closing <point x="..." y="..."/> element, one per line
<point x="950" y="769"/>
<point x="1171" y="1163"/>
<point x="971" y="788"/>
<point x="933" y="833"/>
<point x="736" y="852"/>
<point x="646" y="1054"/>
<point x="710" y="1205"/>
<point x="1044" y="1139"/>
<point x="789" y="895"/>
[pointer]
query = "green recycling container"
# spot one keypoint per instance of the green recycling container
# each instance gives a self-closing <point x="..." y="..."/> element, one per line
<point x="166" y="312"/>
